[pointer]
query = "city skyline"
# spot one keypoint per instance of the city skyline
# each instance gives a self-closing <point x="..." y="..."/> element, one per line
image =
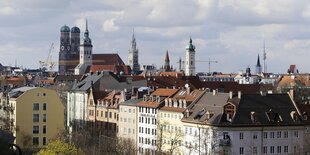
<point x="230" y="32"/>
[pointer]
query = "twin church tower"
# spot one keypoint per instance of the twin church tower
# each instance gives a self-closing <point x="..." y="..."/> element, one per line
<point x="76" y="55"/>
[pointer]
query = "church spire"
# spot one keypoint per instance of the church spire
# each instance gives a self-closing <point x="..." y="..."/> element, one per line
<point x="86" y="33"/>
<point x="167" y="62"/>
<point x="258" y="61"/>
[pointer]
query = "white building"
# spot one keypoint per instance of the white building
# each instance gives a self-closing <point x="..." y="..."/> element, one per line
<point x="221" y="123"/>
<point x="147" y="119"/>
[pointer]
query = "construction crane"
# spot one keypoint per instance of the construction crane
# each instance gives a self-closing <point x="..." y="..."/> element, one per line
<point x="48" y="63"/>
<point x="209" y="63"/>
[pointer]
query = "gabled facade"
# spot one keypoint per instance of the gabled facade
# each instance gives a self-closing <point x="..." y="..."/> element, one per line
<point x="99" y="81"/>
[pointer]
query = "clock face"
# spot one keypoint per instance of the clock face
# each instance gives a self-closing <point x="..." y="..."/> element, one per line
<point x="62" y="48"/>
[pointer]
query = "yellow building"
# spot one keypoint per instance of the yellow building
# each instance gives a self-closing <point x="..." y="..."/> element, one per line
<point x="170" y="127"/>
<point x="36" y="115"/>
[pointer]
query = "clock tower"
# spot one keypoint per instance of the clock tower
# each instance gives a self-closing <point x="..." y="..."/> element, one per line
<point x="85" y="54"/>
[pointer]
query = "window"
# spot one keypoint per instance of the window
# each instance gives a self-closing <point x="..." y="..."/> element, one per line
<point x="101" y="113"/>
<point x="254" y="150"/>
<point x="285" y="149"/>
<point x="265" y="136"/>
<point x="285" y="134"/>
<point x="35" y="117"/>
<point x="44" y="140"/>
<point x="265" y="149"/>
<point x="271" y="134"/>
<point x="129" y="110"/>
<point x="44" y="94"/>
<point x="106" y="114"/>
<point x="255" y="135"/>
<point x="271" y="149"/>
<point x="44" y="129"/>
<point x="44" y="117"/>
<point x="241" y="135"/>
<point x="133" y="110"/>
<point x="35" y="129"/>
<point x="110" y="115"/>
<point x="296" y="133"/>
<point x="279" y="149"/>
<point x="35" y="141"/>
<point x="44" y="106"/>
<point x="35" y="106"/>
<point x="279" y="134"/>
<point x="241" y="150"/>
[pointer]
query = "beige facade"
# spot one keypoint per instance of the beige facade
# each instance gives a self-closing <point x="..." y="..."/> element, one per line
<point x="36" y="115"/>
<point x="128" y="120"/>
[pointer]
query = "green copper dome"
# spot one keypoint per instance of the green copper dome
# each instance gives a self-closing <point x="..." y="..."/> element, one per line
<point x="190" y="46"/>
<point x="65" y="28"/>
<point x="75" y="30"/>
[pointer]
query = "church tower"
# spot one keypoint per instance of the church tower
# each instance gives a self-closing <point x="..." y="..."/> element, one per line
<point x="133" y="55"/>
<point x="85" y="53"/>
<point x="190" y="59"/>
<point x="258" y="66"/>
<point x="167" y="63"/>
<point x="64" y="52"/>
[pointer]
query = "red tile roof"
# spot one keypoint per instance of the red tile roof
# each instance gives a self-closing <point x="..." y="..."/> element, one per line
<point x="107" y="59"/>
<point x="114" y="68"/>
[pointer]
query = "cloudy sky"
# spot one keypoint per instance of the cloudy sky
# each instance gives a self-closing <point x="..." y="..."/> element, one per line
<point x="229" y="31"/>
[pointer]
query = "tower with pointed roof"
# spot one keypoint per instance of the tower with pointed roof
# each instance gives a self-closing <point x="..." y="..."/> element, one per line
<point x="190" y="59"/>
<point x="133" y="55"/>
<point x="258" y="66"/>
<point x="167" y="63"/>
<point x="85" y="53"/>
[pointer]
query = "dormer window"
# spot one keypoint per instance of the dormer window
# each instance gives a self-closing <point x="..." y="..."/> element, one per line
<point x="294" y="115"/>
<point x="305" y="116"/>
<point x="274" y="116"/>
<point x="209" y="114"/>
<point x="186" y="113"/>
<point x="229" y="110"/>
<point x="200" y="114"/>
<point x="253" y="116"/>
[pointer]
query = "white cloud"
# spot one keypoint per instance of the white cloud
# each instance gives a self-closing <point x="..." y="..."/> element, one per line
<point x="109" y="26"/>
<point x="7" y="11"/>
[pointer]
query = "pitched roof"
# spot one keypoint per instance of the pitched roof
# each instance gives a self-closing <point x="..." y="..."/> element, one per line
<point x="114" y="68"/>
<point x="107" y="59"/>
<point x="164" y="92"/>
<point x="207" y="103"/>
<point x="279" y="104"/>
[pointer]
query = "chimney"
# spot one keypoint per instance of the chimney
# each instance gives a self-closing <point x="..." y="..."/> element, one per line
<point x="239" y="94"/>
<point x="230" y="94"/>
<point x="188" y="89"/>
<point x="214" y="92"/>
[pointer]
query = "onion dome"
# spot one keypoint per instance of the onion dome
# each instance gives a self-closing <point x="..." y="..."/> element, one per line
<point x="190" y="46"/>
<point x="65" y="28"/>
<point x="75" y="30"/>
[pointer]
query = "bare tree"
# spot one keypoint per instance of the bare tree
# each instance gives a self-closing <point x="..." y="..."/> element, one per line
<point x="169" y="139"/>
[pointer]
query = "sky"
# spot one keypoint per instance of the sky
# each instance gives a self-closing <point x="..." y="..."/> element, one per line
<point x="231" y="32"/>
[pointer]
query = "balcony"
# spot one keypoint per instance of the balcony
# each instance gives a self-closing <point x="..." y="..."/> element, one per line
<point x="225" y="142"/>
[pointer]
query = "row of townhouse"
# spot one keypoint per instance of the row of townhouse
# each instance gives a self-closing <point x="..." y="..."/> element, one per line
<point x="184" y="121"/>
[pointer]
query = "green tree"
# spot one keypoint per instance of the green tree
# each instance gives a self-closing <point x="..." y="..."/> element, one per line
<point x="59" y="147"/>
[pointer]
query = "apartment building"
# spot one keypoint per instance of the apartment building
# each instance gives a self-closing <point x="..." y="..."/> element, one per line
<point x="147" y="119"/>
<point x="36" y="115"/>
